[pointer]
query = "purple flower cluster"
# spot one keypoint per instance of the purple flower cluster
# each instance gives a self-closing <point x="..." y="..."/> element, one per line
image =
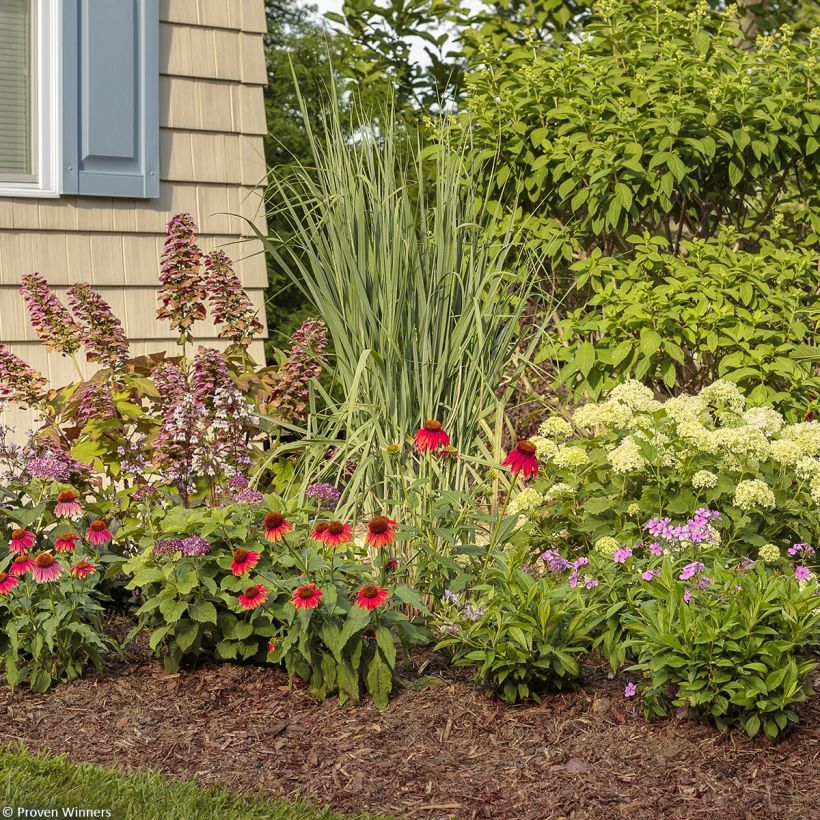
<point x="169" y="381"/>
<point x="144" y="492"/>
<point x="102" y="332"/>
<point x="697" y="529"/>
<point x="182" y="292"/>
<point x="18" y="382"/>
<point x="588" y="581"/>
<point x="132" y="456"/>
<point x="325" y="495"/>
<point x="50" y="319"/>
<point x="555" y="561"/>
<point x="239" y="490"/>
<point x="803" y="550"/>
<point x="473" y="613"/>
<point x="52" y="464"/>
<point x="691" y="570"/>
<point x="649" y="574"/>
<point x="230" y="304"/>
<point x="620" y="556"/>
<point x="167" y="546"/>
<point x="451" y="598"/>
<point x="287" y="397"/>
<point x="193" y="546"/>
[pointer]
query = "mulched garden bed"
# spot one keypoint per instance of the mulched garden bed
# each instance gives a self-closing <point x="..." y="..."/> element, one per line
<point x="442" y="749"/>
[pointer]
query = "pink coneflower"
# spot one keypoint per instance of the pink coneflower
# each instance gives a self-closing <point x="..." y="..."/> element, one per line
<point x="98" y="533"/>
<point x="430" y="436"/>
<point x="338" y="533"/>
<point x="253" y="596"/>
<point x="380" y="531"/>
<point x="46" y="568"/>
<point x="319" y="532"/>
<point x="21" y="564"/>
<point x="82" y="569"/>
<point x="307" y="596"/>
<point x="21" y="540"/>
<point x="370" y="596"/>
<point x="67" y="505"/>
<point x="7" y="583"/>
<point x="522" y="459"/>
<point x="244" y="561"/>
<point x="276" y="526"/>
<point x="66" y="542"/>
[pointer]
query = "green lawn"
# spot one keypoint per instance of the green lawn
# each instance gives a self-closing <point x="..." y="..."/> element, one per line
<point x="44" y="782"/>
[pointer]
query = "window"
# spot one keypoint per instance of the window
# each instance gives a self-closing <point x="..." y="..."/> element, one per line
<point x="29" y="57"/>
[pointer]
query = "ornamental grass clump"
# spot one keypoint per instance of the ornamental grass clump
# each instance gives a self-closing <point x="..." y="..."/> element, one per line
<point x="632" y="457"/>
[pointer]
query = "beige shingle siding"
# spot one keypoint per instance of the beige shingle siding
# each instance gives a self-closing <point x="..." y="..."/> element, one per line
<point x="212" y="118"/>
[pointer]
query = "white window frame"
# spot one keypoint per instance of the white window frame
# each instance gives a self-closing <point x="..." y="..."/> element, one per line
<point x="47" y="59"/>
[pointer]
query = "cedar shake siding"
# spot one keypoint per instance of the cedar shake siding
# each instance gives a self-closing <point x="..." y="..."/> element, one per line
<point x="212" y="122"/>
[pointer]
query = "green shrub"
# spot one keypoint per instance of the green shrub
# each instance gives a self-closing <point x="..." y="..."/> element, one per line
<point x="522" y="634"/>
<point x="733" y="653"/>
<point x="630" y="458"/>
<point x="680" y="322"/>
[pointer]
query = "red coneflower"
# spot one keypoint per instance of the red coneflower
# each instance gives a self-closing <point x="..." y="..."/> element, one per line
<point x="271" y="647"/>
<point x="98" y="533"/>
<point x="21" y="564"/>
<point x="370" y="596"/>
<point x="82" y="569"/>
<point x="7" y="583"/>
<point x="337" y="533"/>
<point x="66" y="542"/>
<point x="319" y="532"/>
<point x="431" y="436"/>
<point x="522" y="459"/>
<point x="21" y="540"/>
<point x="276" y="526"/>
<point x="307" y="596"/>
<point x="67" y="505"/>
<point x="46" y="568"/>
<point x="253" y="596"/>
<point x="244" y="561"/>
<point x="380" y="531"/>
<point x="392" y="565"/>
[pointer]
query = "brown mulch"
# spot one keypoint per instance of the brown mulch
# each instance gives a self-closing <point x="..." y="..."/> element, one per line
<point x="442" y="749"/>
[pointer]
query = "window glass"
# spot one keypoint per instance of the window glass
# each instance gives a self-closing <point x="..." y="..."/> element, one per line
<point x="16" y="89"/>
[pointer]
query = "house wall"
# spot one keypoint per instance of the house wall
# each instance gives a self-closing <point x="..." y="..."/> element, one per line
<point x="212" y="118"/>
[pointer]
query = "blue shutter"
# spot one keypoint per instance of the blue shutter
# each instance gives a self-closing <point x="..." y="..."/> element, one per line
<point x="111" y="97"/>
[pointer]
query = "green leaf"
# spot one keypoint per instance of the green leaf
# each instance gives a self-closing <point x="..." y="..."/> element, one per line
<point x="379" y="680"/>
<point x="384" y="638"/>
<point x="203" y="611"/>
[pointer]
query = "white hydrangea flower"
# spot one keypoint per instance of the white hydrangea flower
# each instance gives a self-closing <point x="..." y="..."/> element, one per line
<point x="805" y="434"/>
<point x="558" y="491"/>
<point x="749" y="442"/>
<point x="815" y="491"/>
<point x="807" y="469"/>
<point x="526" y="501"/>
<point x="724" y="395"/>
<point x="769" y="553"/>
<point x="569" y="457"/>
<point x="753" y="493"/>
<point x="785" y="452"/>
<point x="555" y="427"/>
<point x="626" y="457"/>
<point x="686" y="408"/>
<point x="609" y="414"/>
<point x="764" y="418"/>
<point x="704" y="480"/>
<point x="698" y="437"/>
<point x="607" y="545"/>
<point x="636" y="396"/>
<point x="633" y="510"/>
<point x="545" y="449"/>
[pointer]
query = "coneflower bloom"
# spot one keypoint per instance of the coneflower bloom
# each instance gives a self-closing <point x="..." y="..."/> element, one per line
<point x="7" y="583"/>
<point x="276" y="526"/>
<point x="46" y="568"/>
<point x="271" y="647"/>
<point x="380" y="531"/>
<point x="21" y="540"/>
<point x="253" y="596"/>
<point x="522" y="459"/>
<point x="82" y="569"/>
<point x="337" y="533"/>
<point x="66" y="542"/>
<point x="319" y="532"/>
<point x="244" y="561"/>
<point x="21" y="564"/>
<point x="97" y="533"/>
<point x="370" y="596"/>
<point x="431" y="436"/>
<point x="67" y="505"/>
<point x="307" y="596"/>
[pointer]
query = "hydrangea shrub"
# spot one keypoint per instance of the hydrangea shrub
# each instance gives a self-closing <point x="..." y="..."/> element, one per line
<point x="629" y="458"/>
